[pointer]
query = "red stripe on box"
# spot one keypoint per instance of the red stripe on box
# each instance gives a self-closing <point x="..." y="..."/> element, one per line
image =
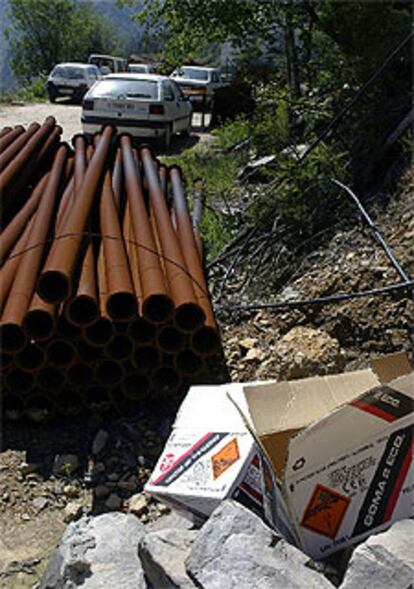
<point x="181" y="458"/>
<point x="373" y="410"/>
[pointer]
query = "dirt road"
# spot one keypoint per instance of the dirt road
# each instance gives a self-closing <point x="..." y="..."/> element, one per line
<point x="68" y="116"/>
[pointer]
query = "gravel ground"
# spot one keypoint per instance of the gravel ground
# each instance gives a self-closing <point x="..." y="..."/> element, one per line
<point x="68" y="116"/>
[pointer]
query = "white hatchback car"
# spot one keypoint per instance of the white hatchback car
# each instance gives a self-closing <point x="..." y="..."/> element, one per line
<point x="71" y="79"/>
<point x="144" y="105"/>
<point x="198" y="78"/>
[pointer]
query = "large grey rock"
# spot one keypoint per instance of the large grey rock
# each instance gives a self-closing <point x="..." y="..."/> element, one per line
<point x="163" y="554"/>
<point x="235" y="549"/>
<point x="168" y="521"/>
<point x="98" y="553"/>
<point x="384" y="560"/>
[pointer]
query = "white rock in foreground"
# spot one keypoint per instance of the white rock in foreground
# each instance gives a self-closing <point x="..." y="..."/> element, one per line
<point x="98" y="553"/>
<point x="384" y="560"/>
<point x="236" y="550"/>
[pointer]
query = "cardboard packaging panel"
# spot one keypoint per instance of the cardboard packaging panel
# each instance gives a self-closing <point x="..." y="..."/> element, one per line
<point x="325" y="460"/>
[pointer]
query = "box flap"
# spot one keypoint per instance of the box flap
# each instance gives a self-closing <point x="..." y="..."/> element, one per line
<point x="279" y="411"/>
<point x="389" y="367"/>
<point x="293" y="405"/>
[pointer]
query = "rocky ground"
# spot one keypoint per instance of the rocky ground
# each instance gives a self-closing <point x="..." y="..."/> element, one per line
<point x="54" y="474"/>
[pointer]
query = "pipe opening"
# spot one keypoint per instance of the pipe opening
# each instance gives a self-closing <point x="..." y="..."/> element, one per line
<point x="6" y="360"/>
<point x="39" y="408"/>
<point x="206" y="341"/>
<point x="188" y="363"/>
<point x="38" y="325"/>
<point x="66" y="329"/>
<point x="170" y="339"/>
<point x="12" y="337"/>
<point x="97" y="399"/>
<point x="122" y="306"/>
<point x="12" y="407"/>
<point x="69" y="403"/>
<point x="82" y="310"/>
<point x="32" y="357"/>
<point x="120" y="347"/>
<point x="61" y="353"/>
<point x="87" y="352"/>
<point x="19" y="380"/>
<point x="142" y="331"/>
<point x="136" y="386"/>
<point x="109" y="372"/>
<point x="80" y="374"/>
<point x="145" y="359"/>
<point x="189" y="317"/>
<point x="50" y="379"/>
<point x="166" y="380"/>
<point x="100" y="332"/>
<point x="53" y="286"/>
<point x="158" y="308"/>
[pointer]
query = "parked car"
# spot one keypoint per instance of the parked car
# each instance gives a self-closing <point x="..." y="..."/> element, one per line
<point x="144" y="105"/>
<point x="191" y="78"/>
<point x="141" y="68"/>
<point x="108" y="64"/>
<point x="71" y="79"/>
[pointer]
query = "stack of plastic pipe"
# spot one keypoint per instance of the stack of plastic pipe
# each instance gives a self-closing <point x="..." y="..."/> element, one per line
<point x="103" y="296"/>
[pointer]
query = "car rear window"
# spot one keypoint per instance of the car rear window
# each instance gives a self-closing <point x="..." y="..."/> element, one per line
<point x="193" y="73"/>
<point x="128" y="88"/>
<point x="72" y="73"/>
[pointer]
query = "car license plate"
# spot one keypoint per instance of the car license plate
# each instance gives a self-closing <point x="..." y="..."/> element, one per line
<point x="125" y="106"/>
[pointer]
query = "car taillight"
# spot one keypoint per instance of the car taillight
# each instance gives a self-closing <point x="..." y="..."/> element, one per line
<point x="87" y="105"/>
<point x="156" y="109"/>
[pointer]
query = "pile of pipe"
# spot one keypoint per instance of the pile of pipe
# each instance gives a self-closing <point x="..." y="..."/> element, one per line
<point x="102" y="291"/>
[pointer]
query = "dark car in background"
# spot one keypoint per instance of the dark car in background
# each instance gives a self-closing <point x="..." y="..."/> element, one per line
<point x="71" y="80"/>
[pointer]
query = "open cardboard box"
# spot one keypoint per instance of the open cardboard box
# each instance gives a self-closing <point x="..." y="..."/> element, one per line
<point x="338" y="451"/>
<point x="335" y="453"/>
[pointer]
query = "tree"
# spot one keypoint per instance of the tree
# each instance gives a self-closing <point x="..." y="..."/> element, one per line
<point x="46" y="32"/>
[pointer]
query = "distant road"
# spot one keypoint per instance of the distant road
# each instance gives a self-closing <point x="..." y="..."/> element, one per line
<point x="68" y="117"/>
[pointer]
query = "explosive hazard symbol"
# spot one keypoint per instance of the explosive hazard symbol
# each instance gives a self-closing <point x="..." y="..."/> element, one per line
<point x="227" y="456"/>
<point x="325" y="511"/>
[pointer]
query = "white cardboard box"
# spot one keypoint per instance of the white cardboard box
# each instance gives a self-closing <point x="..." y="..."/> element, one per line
<point x="339" y="450"/>
<point x="209" y="456"/>
<point x="335" y="453"/>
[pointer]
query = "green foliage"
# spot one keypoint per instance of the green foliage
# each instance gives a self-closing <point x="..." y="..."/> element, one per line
<point x="230" y="133"/>
<point x="46" y="32"/>
<point x="300" y="194"/>
<point x="35" y="91"/>
<point x="218" y="172"/>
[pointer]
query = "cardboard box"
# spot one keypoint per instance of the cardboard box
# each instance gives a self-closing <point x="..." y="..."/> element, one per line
<point x="209" y="456"/>
<point x="339" y="451"/>
<point x="334" y="452"/>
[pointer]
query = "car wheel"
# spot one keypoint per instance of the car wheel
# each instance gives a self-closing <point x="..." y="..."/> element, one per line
<point x="167" y="138"/>
<point x="187" y="130"/>
<point x="52" y="98"/>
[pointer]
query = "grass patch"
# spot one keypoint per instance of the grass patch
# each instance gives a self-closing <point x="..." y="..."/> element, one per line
<point x="33" y="92"/>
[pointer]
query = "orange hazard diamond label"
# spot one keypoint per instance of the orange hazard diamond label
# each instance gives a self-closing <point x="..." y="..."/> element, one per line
<point x="227" y="456"/>
<point x="325" y="511"/>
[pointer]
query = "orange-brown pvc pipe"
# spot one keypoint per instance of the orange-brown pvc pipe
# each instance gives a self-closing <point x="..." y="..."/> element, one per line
<point x="146" y="359"/>
<point x="188" y="313"/>
<point x="132" y="254"/>
<point x="55" y="282"/>
<point x="4" y="131"/>
<point x="83" y="308"/>
<point x="157" y="305"/>
<point x="22" y="159"/>
<point x="24" y="282"/>
<point x="121" y="303"/>
<point x="61" y="352"/>
<point x="9" y="269"/>
<point x="189" y="246"/>
<point x="7" y="138"/>
<point x="32" y="358"/>
<point x="14" y="148"/>
<point x="17" y="225"/>
<point x="135" y="386"/>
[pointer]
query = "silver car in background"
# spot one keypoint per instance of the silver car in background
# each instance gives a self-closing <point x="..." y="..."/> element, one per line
<point x="144" y="105"/>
